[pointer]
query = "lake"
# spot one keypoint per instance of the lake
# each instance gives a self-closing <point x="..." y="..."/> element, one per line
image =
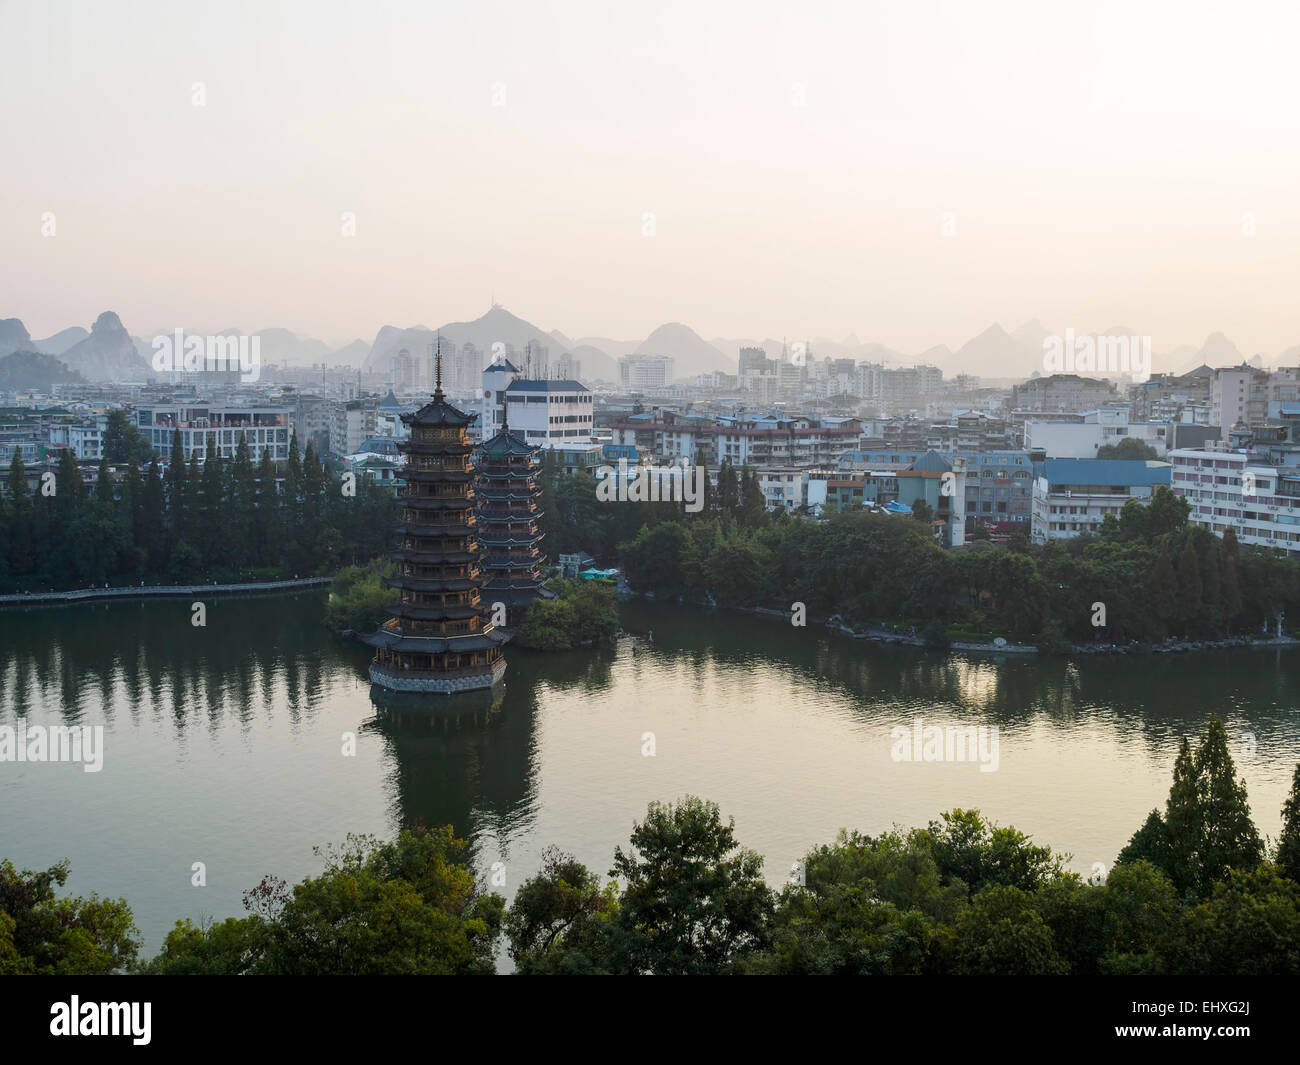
<point x="224" y="744"/>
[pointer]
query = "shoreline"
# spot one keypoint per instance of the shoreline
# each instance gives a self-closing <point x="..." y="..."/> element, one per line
<point x="159" y="591"/>
<point x="904" y="639"/>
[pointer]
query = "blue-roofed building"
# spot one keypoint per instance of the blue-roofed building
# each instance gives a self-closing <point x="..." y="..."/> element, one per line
<point x="1072" y="497"/>
<point x="378" y="445"/>
<point x="998" y="485"/>
<point x="547" y="412"/>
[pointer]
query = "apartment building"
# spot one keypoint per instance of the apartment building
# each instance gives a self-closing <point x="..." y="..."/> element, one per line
<point x="84" y="439"/>
<point x="763" y="442"/>
<point x="351" y="423"/>
<point x="941" y="484"/>
<point x="1256" y="495"/>
<point x="312" y="419"/>
<point x="1063" y="392"/>
<point x="784" y="488"/>
<point x="207" y="429"/>
<point x="1167" y="397"/>
<point x="1080" y="436"/>
<point x="1071" y="497"/>
<point x="997" y="485"/>
<point x="641" y="372"/>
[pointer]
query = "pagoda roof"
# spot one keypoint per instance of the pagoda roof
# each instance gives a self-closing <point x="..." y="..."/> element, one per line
<point x="451" y="612"/>
<point x="507" y="442"/>
<point x="429" y="558"/>
<point x="428" y="584"/>
<point x="441" y="532"/>
<point x="436" y="502"/>
<point x="435" y="644"/>
<point x="438" y="412"/>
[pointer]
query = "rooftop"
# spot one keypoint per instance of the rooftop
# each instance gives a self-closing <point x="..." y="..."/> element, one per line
<point x="1111" y="472"/>
<point x="562" y="385"/>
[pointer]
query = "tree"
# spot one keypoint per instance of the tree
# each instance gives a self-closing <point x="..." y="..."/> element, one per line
<point x="104" y="484"/>
<point x="241" y="504"/>
<point x="266" y="511"/>
<point x="123" y="441"/>
<point x="178" y="526"/>
<point x="233" y="947"/>
<point x="1189" y="585"/>
<point x="753" y="507"/>
<point x="1149" y="844"/>
<point x="406" y="906"/>
<point x="558" y="920"/>
<point x="43" y="934"/>
<point x="971" y="850"/>
<point x="1230" y="840"/>
<point x="69" y="488"/>
<point x="862" y="906"/>
<point x="152" y="534"/>
<point x="212" y="523"/>
<point x="1249" y="926"/>
<point x="653" y="560"/>
<point x="1001" y="933"/>
<point x="22" y="531"/>
<point x="549" y="625"/>
<point x="1206" y="831"/>
<point x="694" y="900"/>
<point x="1288" y="846"/>
<point x="1140" y="907"/>
<point x="1164" y="587"/>
<point x="1229" y="582"/>
<point x="1130" y="448"/>
<point x="1166" y="513"/>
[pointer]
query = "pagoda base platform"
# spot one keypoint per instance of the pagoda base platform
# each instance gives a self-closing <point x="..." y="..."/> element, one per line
<point x="409" y="680"/>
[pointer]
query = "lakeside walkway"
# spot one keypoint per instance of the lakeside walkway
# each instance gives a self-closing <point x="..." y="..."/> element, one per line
<point x="79" y="595"/>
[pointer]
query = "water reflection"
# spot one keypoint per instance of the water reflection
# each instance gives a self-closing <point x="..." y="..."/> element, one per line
<point x="233" y="729"/>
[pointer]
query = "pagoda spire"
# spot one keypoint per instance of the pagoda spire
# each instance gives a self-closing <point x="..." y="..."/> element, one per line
<point x="437" y="389"/>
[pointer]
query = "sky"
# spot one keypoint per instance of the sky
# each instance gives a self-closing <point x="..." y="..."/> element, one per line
<point x="906" y="172"/>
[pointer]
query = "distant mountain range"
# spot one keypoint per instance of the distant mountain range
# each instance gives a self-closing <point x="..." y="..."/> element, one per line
<point x="22" y="370"/>
<point x="107" y="352"/>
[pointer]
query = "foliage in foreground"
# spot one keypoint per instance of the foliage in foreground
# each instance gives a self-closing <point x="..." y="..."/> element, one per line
<point x="409" y="906"/>
<point x="43" y="934"/>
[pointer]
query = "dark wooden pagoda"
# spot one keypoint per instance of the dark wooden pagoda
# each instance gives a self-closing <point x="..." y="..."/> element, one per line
<point x="507" y="492"/>
<point x="440" y="637"/>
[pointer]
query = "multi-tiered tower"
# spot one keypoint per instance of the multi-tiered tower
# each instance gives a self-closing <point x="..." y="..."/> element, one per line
<point x="440" y="637"/>
<point x="507" y="492"/>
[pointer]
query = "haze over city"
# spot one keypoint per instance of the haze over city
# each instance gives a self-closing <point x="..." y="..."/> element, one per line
<point x="903" y="175"/>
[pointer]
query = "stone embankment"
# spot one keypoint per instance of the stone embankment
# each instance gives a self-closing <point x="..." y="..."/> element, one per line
<point x="143" y="591"/>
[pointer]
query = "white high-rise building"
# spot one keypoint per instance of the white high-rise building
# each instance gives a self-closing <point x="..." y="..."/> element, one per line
<point x="645" y="371"/>
<point x="547" y="413"/>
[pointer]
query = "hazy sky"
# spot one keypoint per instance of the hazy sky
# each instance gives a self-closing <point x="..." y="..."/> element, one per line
<point x="798" y="159"/>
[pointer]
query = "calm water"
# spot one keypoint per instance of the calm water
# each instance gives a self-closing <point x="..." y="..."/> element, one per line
<point x="223" y="744"/>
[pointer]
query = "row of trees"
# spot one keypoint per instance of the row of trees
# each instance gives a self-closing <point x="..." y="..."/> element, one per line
<point x="573" y="519"/>
<point x="1193" y="893"/>
<point x="185" y="522"/>
<point x="1152" y="572"/>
